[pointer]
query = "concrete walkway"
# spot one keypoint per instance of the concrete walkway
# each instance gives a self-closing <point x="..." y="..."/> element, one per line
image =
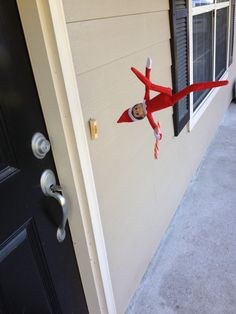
<point x="194" y="270"/>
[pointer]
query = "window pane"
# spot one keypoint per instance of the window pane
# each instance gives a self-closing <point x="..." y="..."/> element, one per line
<point x="222" y="0"/>
<point x="197" y="3"/>
<point x="221" y="41"/>
<point x="202" y="53"/>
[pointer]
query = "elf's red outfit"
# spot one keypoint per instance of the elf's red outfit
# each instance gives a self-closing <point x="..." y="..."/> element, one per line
<point x="164" y="100"/>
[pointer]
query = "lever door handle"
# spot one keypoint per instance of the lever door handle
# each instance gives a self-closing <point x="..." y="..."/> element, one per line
<point x="49" y="188"/>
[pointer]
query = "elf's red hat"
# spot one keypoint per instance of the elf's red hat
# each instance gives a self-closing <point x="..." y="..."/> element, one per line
<point x="126" y="116"/>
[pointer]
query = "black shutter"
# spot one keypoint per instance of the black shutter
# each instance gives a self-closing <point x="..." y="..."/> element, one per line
<point x="232" y="24"/>
<point x="180" y="59"/>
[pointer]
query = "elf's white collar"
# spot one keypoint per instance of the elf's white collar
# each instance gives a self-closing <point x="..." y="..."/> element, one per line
<point x="130" y="114"/>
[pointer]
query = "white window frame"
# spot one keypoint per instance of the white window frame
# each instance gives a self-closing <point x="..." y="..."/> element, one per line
<point x="193" y="11"/>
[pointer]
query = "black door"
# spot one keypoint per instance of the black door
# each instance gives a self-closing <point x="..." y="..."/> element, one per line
<point x="38" y="274"/>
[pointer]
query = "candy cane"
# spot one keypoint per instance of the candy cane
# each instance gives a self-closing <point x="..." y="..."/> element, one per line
<point x="158" y="138"/>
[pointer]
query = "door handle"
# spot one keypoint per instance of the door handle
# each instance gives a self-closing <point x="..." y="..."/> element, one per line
<point x="49" y="188"/>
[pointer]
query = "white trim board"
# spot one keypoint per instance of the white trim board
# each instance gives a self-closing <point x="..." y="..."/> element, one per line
<point x="66" y="62"/>
<point x="208" y="8"/>
<point x="47" y="41"/>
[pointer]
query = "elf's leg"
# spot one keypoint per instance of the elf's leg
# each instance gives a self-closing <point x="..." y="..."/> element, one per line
<point x="149" y="84"/>
<point x="196" y="87"/>
<point x="147" y="74"/>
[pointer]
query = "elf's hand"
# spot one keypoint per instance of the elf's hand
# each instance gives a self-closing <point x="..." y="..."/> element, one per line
<point x="157" y="134"/>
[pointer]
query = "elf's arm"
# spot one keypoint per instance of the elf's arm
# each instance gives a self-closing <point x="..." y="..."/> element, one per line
<point x="154" y="125"/>
<point x="150" y="85"/>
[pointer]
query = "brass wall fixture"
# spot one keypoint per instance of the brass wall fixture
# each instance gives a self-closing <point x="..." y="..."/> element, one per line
<point x="93" y="129"/>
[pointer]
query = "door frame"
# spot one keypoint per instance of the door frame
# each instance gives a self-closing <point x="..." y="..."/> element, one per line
<point x="44" y="27"/>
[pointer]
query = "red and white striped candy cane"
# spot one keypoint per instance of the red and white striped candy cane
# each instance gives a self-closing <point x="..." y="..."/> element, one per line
<point x="158" y="136"/>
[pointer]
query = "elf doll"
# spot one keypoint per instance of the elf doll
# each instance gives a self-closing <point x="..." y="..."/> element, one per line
<point x="163" y="100"/>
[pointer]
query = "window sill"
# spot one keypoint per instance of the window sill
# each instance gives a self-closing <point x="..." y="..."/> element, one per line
<point x="196" y="115"/>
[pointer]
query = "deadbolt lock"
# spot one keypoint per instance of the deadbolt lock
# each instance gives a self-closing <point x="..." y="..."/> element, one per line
<point x="40" y="145"/>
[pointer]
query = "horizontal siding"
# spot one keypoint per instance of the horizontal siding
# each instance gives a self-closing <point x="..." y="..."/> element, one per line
<point x="98" y="42"/>
<point x="107" y="38"/>
<point x="114" y="83"/>
<point x="96" y="9"/>
<point x="120" y="149"/>
<point x="107" y="97"/>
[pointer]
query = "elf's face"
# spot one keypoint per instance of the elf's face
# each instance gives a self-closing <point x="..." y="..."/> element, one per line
<point x="138" y="112"/>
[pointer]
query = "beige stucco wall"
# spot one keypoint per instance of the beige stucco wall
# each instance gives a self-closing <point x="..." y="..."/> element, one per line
<point x="137" y="195"/>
